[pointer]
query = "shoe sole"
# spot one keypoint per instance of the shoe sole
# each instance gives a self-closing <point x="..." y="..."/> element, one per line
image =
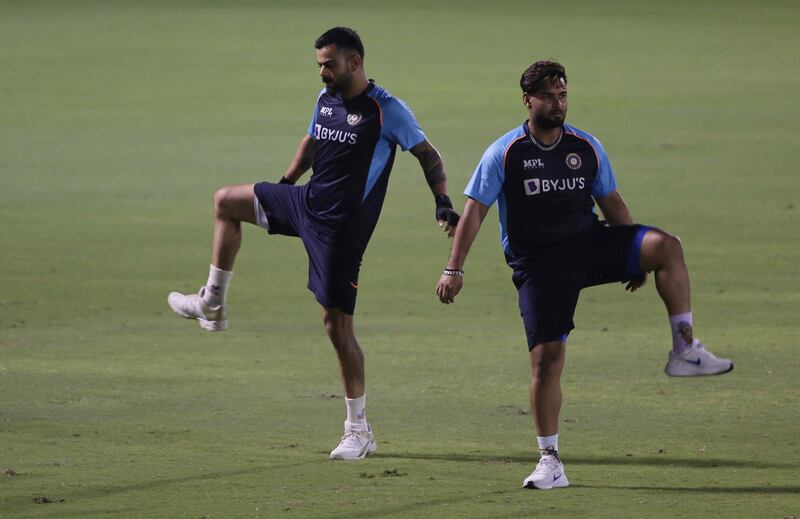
<point x="211" y="326"/>
<point x="561" y="483"/>
<point x="666" y="371"/>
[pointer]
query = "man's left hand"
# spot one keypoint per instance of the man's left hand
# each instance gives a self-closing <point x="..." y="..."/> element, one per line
<point x="635" y="284"/>
<point x="446" y="217"/>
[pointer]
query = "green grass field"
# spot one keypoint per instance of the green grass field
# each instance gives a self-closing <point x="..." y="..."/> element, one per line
<point x="118" y="120"/>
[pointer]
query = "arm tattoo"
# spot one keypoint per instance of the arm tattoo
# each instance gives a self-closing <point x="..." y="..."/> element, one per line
<point x="431" y="162"/>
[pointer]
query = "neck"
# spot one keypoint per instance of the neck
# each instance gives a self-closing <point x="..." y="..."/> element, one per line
<point x="358" y="85"/>
<point x="546" y="137"/>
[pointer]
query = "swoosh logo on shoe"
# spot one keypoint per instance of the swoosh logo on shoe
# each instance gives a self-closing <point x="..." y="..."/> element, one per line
<point x="557" y="477"/>
<point x="695" y="362"/>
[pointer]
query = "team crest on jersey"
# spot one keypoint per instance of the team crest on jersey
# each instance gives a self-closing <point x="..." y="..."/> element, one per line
<point x="353" y="119"/>
<point x="574" y="161"/>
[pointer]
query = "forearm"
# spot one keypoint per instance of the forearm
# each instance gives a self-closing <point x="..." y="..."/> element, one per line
<point x="467" y="230"/>
<point x="303" y="159"/>
<point x="432" y="164"/>
<point x="614" y="209"/>
<point x="622" y="217"/>
<point x="435" y="176"/>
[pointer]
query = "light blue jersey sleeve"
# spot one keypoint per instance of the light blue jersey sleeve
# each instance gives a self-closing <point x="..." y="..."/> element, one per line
<point x="399" y="124"/>
<point x="604" y="183"/>
<point x="312" y="126"/>
<point x="487" y="180"/>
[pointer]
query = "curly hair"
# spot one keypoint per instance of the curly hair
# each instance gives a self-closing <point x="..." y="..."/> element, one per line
<point x="541" y="73"/>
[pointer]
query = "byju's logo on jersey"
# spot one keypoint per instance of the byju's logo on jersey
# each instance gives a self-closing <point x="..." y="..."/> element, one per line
<point x="353" y="119"/>
<point x="532" y="186"/>
<point x="536" y="186"/>
<point x="327" y="134"/>
<point x="532" y="164"/>
<point x="326" y="111"/>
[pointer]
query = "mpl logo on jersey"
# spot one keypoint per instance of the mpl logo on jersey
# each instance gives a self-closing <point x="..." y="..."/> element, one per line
<point x="322" y="133"/>
<point x="536" y="186"/>
<point x="532" y="164"/>
<point x="326" y="111"/>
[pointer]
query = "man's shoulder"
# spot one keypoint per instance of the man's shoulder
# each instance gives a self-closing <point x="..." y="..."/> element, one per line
<point x="385" y="99"/>
<point x="586" y="136"/>
<point x="505" y="141"/>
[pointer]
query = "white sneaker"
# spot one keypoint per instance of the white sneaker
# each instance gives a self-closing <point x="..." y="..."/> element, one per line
<point x="356" y="443"/>
<point x="192" y="306"/>
<point x="549" y="473"/>
<point x="696" y="361"/>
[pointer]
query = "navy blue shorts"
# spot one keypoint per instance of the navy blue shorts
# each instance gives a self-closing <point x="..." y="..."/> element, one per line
<point x="548" y="292"/>
<point x="333" y="259"/>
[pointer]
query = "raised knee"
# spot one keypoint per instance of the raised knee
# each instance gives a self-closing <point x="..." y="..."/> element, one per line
<point x="667" y="247"/>
<point x="219" y="200"/>
<point x="222" y="200"/>
<point x="672" y="245"/>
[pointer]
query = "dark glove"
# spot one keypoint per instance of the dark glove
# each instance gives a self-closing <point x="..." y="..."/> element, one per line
<point x="445" y="212"/>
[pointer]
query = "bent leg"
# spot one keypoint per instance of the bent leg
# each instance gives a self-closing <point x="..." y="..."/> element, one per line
<point x="232" y="206"/>
<point x="339" y="327"/>
<point x="547" y="363"/>
<point x="663" y="253"/>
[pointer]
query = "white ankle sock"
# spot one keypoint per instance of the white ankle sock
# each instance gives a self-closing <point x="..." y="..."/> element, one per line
<point x="217" y="286"/>
<point x="356" y="410"/>
<point x="681" y="326"/>
<point x="548" y="443"/>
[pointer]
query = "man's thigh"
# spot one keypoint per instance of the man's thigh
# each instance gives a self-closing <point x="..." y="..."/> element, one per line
<point x="332" y="272"/>
<point x="280" y="208"/>
<point x="611" y="254"/>
<point x="547" y="300"/>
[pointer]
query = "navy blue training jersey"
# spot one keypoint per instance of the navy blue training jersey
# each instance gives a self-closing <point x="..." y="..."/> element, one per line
<point x="544" y="197"/>
<point x="355" y="146"/>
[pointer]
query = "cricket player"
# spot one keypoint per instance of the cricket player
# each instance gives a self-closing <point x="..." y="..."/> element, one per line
<point x="546" y="177"/>
<point x="351" y="142"/>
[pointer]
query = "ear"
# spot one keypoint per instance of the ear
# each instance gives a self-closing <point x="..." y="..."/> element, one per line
<point x="526" y="99"/>
<point x="355" y="61"/>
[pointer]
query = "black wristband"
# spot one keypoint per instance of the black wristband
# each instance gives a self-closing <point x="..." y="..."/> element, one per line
<point x="285" y="180"/>
<point x="444" y="210"/>
<point x="443" y="201"/>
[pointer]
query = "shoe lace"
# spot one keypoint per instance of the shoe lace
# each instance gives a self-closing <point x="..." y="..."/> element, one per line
<point x="353" y="435"/>
<point x="547" y="462"/>
<point x="703" y="352"/>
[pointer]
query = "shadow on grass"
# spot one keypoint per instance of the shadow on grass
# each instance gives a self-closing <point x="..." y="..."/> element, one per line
<point x="80" y="494"/>
<point x="782" y="489"/>
<point x="407" y="508"/>
<point x="656" y="461"/>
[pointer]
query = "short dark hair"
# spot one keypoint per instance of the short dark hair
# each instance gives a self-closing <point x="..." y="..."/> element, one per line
<point x="540" y="73"/>
<point x="342" y="37"/>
